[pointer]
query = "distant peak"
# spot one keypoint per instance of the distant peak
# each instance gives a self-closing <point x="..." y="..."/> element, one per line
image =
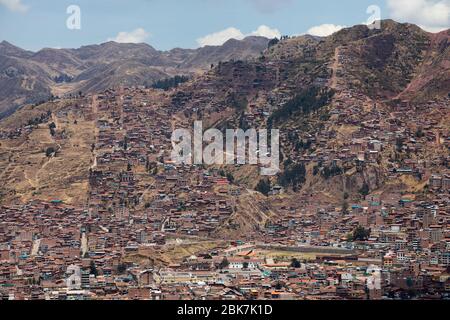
<point x="245" y="40"/>
<point x="6" y="43"/>
<point x="255" y="37"/>
<point x="126" y="45"/>
<point x="112" y="42"/>
<point x="11" y="49"/>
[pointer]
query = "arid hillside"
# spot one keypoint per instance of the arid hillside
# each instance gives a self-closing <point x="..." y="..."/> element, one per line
<point x="363" y="113"/>
<point x="33" y="77"/>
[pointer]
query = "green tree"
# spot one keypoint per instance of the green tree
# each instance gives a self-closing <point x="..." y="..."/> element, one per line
<point x="121" y="268"/>
<point x="331" y="171"/>
<point x="361" y="234"/>
<point x="224" y="264"/>
<point x="52" y="127"/>
<point x="230" y="177"/>
<point x="295" y="263"/>
<point x="305" y="102"/>
<point x="169" y="83"/>
<point x="420" y="133"/>
<point x="239" y="102"/>
<point x="49" y="151"/>
<point x="365" y="190"/>
<point x="294" y="175"/>
<point x="93" y="268"/>
<point x="263" y="186"/>
<point x="345" y="207"/>
<point x="399" y="144"/>
<point x="273" y="42"/>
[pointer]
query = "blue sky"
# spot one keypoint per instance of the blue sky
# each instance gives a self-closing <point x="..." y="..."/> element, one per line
<point x="165" y="24"/>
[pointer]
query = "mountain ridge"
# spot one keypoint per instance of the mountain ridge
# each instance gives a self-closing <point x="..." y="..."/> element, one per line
<point x="397" y="61"/>
<point x="62" y="69"/>
<point x="350" y="117"/>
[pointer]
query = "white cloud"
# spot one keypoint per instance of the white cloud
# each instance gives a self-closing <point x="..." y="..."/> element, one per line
<point x="219" y="38"/>
<point x="265" y="31"/>
<point x="433" y="29"/>
<point x="324" y="30"/>
<point x="136" y="36"/>
<point x="14" y="5"/>
<point x="431" y="15"/>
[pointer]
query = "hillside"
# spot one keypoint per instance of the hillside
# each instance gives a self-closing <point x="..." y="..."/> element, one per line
<point x="353" y="126"/>
<point x="28" y="77"/>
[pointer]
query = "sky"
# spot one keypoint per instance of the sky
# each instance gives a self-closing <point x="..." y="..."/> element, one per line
<point x="167" y="24"/>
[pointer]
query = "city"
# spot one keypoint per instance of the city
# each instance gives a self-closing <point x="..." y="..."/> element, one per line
<point x="356" y="205"/>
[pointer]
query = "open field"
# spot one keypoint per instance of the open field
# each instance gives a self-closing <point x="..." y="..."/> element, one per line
<point x="30" y="174"/>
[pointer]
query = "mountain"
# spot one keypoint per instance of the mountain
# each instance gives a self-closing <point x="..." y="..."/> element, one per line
<point x="400" y="60"/>
<point x="385" y="63"/>
<point x="8" y="49"/>
<point x="22" y="81"/>
<point x="355" y="111"/>
<point x="432" y="78"/>
<point x="328" y="95"/>
<point x="28" y="77"/>
<point x="231" y="50"/>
